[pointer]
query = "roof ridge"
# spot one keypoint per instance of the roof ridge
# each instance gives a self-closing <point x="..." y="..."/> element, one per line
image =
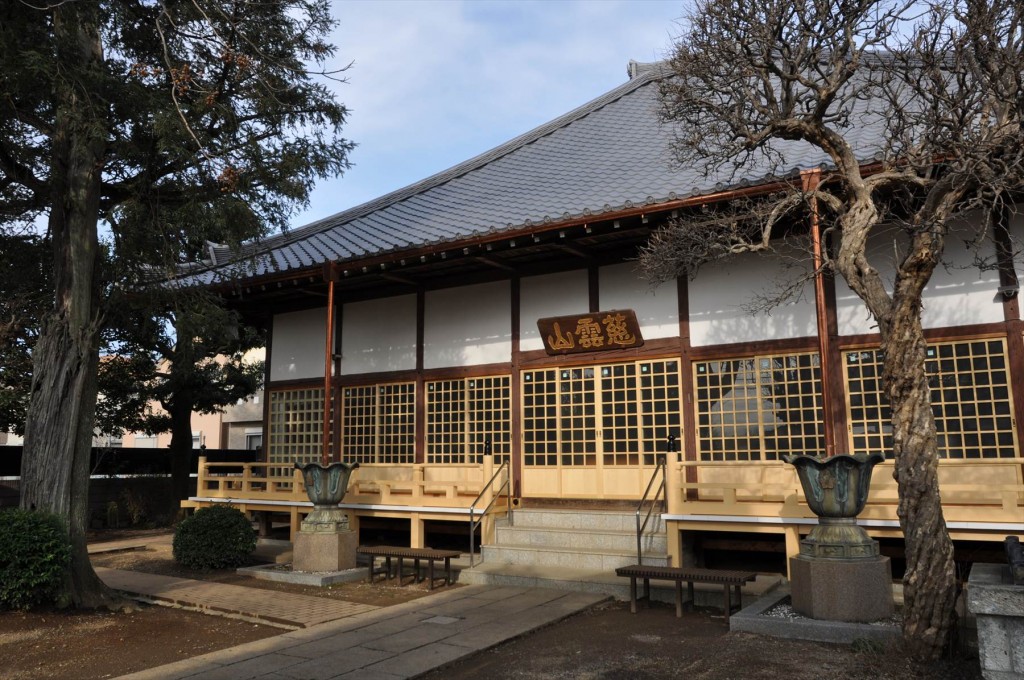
<point x="447" y="175"/>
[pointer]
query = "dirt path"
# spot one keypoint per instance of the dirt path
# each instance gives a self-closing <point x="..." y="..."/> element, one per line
<point x="610" y="643"/>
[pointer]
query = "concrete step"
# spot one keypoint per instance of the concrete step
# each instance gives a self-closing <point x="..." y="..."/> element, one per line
<point x="603" y="581"/>
<point x="593" y="559"/>
<point x="597" y="520"/>
<point x="579" y="539"/>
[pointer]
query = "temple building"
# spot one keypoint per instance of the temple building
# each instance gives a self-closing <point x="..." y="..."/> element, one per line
<point x="489" y="323"/>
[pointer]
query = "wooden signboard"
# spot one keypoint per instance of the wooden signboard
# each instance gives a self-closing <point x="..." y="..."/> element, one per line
<point x="594" y="332"/>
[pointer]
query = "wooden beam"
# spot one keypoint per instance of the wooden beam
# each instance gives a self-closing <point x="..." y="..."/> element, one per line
<point x="398" y="279"/>
<point x="494" y="263"/>
<point x="575" y="249"/>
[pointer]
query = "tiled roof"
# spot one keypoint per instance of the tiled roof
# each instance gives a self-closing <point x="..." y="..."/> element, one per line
<point x="607" y="155"/>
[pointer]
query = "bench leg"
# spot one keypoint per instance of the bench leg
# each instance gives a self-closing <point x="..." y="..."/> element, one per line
<point x="372" y="561"/>
<point x="689" y="593"/>
<point x="728" y="603"/>
<point x="398" y="572"/>
<point x="447" y="571"/>
<point x="430" y="574"/>
<point x="739" y="598"/>
<point x="632" y="594"/>
<point x="387" y="567"/>
<point x="416" y="571"/>
<point x="679" y="599"/>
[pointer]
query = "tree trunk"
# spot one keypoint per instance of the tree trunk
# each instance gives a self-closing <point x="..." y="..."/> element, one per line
<point x="181" y="451"/>
<point x="929" y="584"/>
<point x="59" y="426"/>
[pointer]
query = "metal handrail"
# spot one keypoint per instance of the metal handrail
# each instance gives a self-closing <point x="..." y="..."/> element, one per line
<point x="474" y="523"/>
<point x="659" y="467"/>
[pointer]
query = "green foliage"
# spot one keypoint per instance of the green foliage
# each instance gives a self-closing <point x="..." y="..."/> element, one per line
<point x="34" y="551"/>
<point x="26" y="292"/>
<point x="213" y="538"/>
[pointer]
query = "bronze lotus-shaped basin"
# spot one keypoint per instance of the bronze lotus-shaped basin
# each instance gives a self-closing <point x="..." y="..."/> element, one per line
<point x="836" y="486"/>
<point x="326" y="486"/>
<point x="836" y="489"/>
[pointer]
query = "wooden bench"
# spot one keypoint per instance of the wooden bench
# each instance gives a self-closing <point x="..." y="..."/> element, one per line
<point x="727" y="579"/>
<point x="428" y="555"/>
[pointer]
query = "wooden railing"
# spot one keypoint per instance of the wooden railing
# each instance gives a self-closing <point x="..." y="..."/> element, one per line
<point x="989" y="490"/>
<point x="404" y="485"/>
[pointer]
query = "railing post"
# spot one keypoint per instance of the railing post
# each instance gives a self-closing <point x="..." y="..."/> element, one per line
<point x="418" y="476"/>
<point x="674" y="497"/>
<point x="298" y="485"/>
<point x="201" y="476"/>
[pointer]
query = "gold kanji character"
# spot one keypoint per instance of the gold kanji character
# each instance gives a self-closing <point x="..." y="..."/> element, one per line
<point x="618" y="333"/>
<point x="560" y="341"/>
<point x="589" y="333"/>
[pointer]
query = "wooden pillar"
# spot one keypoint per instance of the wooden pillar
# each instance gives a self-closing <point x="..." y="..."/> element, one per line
<point x="688" y="437"/>
<point x="792" y="532"/>
<point x="417" y="531"/>
<point x="515" y="395"/>
<point x="325" y="455"/>
<point x="265" y="447"/>
<point x="811" y="179"/>
<point x="420" y="446"/>
<point x="1009" y="285"/>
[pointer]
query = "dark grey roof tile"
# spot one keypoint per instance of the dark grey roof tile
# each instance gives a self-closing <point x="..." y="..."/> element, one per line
<point x="609" y="154"/>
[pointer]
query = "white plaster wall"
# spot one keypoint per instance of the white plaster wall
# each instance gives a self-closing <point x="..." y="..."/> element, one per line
<point x="468" y="325"/>
<point x="297" y="345"/>
<point x="958" y="294"/>
<point x="721" y="291"/>
<point x="549" y="295"/>
<point x="657" y="309"/>
<point x="378" y="335"/>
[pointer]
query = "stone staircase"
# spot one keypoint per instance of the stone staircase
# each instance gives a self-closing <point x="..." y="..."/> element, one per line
<point x="579" y="550"/>
<point x="567" y="549"/>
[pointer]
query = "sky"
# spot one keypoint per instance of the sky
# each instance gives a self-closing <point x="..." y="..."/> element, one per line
<point x="435" y="83"/>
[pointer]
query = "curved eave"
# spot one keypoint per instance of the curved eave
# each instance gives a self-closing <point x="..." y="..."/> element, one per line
<point x="356" y="265"/>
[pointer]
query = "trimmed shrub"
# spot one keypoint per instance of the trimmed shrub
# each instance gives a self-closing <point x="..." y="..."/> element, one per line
<point x="35" y="551"/>
<point x="213" y="538"/>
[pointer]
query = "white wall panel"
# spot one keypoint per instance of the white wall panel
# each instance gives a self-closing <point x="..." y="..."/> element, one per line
<point x="468" y="325"/>
<point x="722" y="290"/>
<point x="297" y="345"/>
<point x="549" y="295"/>
<point x="657" y="309"/>
<point x="958" y="294"/>
<point x="379" y="335"/>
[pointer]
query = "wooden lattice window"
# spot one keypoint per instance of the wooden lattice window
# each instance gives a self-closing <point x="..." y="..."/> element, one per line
<point x="660" y="413"/>
<point x="759" y="408"/>
<point x="624" y="412"/>
<point x="577" y="416"/>
<point x="296" y="426"/>
<point x="970" y="394"/>
<point x="462" y="414"/>
<point x="540" y="417"/>
<point x="378" y="423"/>
<point x="619" y="420"/>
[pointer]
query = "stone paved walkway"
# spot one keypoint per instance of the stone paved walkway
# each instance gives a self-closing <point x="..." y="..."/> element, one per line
<point x="288" y="609"/>
<point x="401" y="641"/>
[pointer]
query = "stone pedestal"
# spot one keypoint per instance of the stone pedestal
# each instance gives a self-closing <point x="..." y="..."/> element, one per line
<point x="325" y="545"/>
<point x="998" y="606"/>
<point x="855" y="590"/>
